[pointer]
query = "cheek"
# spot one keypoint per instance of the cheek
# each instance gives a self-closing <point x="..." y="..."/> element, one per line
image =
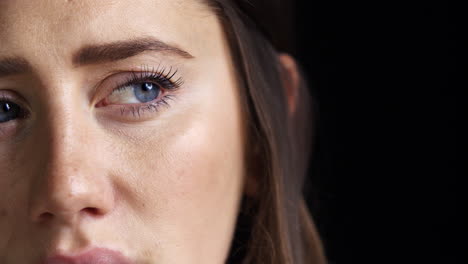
<point x="13" y="188"/>
<point x="205" y="158"/>
<point x="204" y="163"/>
<point x="198" y="167"/>
<point x="199" y="155"/>
<point x="191" y="177"/>
<point x="202" y="187"/>
<point x="195" y="154"/>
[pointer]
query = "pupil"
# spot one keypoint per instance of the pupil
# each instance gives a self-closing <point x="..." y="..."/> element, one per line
<point x="9" y="111"/>
<point x="146" y="92"/>
<point x="6" y="107"/>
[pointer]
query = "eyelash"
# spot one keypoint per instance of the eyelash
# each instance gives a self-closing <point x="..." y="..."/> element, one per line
<point x="164" y="80"/>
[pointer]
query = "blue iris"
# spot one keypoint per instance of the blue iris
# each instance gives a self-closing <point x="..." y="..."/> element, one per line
<point x="9" y="111"/>
<point x="146" y="92"/>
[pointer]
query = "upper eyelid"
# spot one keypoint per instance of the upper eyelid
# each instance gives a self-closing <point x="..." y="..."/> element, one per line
<point x="120" y="76"/>
<point x="118" y="79"/>
<point x="9" y="95"/>
<point x="168" y="75"/>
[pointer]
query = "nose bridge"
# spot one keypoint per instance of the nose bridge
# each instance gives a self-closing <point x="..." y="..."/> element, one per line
<point x="65" y="131"/>
<point x="71" y="183"/>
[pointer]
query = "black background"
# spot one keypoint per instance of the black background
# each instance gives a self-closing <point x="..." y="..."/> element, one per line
<point x="382" y="179"/>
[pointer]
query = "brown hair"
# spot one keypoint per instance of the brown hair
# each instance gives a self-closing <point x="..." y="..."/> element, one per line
<point x="275" y="225"/>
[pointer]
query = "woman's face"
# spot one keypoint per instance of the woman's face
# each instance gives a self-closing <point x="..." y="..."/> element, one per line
<point x="120" y="130"/>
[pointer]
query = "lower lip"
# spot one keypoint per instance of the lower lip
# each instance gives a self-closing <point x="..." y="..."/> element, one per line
<point x="93" y="256"/>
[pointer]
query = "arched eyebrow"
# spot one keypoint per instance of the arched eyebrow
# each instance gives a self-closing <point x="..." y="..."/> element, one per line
<point x="101" y="53"/>
<point x="13" y="66"/>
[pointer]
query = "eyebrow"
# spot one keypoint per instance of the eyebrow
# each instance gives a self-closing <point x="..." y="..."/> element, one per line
<point x="13" y="65"/>
<point x="94" y="54"/>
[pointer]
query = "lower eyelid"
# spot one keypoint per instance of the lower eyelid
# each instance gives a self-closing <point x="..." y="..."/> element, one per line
<point x="142" y="111"/>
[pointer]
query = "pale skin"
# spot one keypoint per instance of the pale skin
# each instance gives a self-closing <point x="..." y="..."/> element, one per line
<point x="86" y="167"/>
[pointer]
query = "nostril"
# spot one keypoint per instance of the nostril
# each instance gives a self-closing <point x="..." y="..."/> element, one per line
<point x="91" y="210"/>
<point x="46" y="216"/>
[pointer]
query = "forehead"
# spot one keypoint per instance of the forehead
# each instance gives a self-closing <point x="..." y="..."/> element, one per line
<point x="67" y="24"/>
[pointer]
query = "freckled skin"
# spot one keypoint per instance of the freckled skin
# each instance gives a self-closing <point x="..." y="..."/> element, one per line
<point x="164" y="188"/>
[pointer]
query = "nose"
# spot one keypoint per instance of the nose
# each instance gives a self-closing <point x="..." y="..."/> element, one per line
<point x="72" y="182"/>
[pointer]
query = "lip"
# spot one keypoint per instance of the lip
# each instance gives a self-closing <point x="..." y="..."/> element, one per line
<point x="92" y="256"/>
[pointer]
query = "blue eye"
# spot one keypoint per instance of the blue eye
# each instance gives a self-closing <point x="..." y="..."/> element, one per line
<point x="146" y="92"/>
<point x="141" y="91"/>
<point x="9" y="111"/>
